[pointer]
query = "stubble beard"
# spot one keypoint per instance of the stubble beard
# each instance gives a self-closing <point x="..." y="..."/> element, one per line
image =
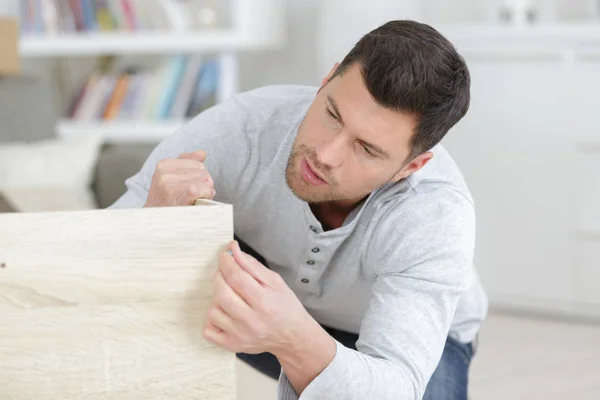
<point x="299" y="187"/>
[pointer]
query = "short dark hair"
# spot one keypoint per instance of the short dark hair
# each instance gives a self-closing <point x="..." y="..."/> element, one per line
<point x="410" y="67"/>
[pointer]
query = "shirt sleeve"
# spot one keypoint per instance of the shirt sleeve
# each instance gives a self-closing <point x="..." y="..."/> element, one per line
<point x="423" y="252"/>
<point x="222" y="131"/>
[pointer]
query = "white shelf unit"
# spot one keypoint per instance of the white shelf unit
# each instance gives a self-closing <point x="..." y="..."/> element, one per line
<point x="119" y="131"/>
<point x="257" y="25"/>
<point x="88" y="44"/>
<point x="568" y="42"/>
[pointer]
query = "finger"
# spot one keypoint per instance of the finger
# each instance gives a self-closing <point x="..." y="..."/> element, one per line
<point x="215" y="335"/>
<point x="230" y="301"/>
<point x="241" y="281"/>
<point x="187" y="175"/>
<point x="220" y="319"/>
<point x="185" y="165"/>
<point x="199" y="155"/>
<point x="176" y="165"/>
<point x="211" y="326"/>
<point x="251" y="265"/>
<point x="190" y="191"/>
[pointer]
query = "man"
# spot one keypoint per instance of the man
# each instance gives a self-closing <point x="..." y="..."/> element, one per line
<point x="362" y="285"/>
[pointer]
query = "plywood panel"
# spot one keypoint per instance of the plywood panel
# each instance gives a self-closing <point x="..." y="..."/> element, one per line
<point x="109" y="304"/>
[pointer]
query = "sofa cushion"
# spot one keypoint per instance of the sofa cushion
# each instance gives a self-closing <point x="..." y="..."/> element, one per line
<point x="49" y="175"/>
<point x="116" y="163"/>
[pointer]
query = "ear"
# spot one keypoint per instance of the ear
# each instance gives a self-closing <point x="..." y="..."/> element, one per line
<point x="330" y="74"/>
<point x="416" y="164"/>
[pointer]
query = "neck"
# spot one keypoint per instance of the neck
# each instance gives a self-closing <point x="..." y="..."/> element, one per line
<point x="332" y="214"/>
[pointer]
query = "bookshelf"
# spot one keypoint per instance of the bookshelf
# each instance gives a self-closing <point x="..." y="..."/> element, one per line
<point x="256" y="25"/>
<point x="120" y="131"/>
<point x="130" y="43"/>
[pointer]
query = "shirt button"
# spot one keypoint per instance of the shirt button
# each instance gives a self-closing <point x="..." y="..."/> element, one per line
<point x="310" y="262"/>
<point x="316" y="250"/>
<point x="304" y="280"/>
<point x="313" y="228"/>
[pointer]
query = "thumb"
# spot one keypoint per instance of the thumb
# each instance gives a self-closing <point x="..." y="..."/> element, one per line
<point x="250" y="264"/>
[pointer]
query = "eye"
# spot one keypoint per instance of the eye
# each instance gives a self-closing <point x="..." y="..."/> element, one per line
<point x="331" y="114"/>
<point x="368" y="151"/>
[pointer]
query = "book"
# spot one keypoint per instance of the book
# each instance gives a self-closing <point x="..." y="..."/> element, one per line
<point x="171" y="85"/>
<point x="65" y="16"/>
<point x="129" y="12"/>
<point x="77" y="11"/>
<point x="107" y="87"/>
<point x="172" y="90"/>
<point x="118" y="96"/>
<point x="205" y="95"/>
<point x="104" y="18"/>
<point x="126" y="111"/>
<point x="187" y="88"/>
<point x="54" y="16"/>
<point x="49" y="21"/>
<point x="88" y="11"/>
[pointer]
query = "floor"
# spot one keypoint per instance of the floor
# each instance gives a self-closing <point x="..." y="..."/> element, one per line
<point x="518" y="359"/>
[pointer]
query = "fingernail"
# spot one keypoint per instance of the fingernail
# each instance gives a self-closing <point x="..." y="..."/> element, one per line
<point x="229" y="252"/>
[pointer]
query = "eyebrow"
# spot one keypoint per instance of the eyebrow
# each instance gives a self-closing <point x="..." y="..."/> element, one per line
<point x="337" y="113"/>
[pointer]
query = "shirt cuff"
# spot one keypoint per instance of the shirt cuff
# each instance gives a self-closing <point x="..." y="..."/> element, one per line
<point x="325" y="385"/>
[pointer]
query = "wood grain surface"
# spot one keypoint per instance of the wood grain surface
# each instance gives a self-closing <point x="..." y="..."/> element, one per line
<point x="109" y="304"/>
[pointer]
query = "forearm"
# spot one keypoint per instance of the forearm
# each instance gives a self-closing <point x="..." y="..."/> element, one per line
<point x="313" y="351"/>
<point x="356" y="376"/>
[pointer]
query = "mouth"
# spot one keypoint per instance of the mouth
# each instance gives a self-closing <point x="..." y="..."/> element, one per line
<point x="310" y="175"/>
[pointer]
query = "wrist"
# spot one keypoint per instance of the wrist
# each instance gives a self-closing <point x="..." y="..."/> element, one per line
<point x="308" y="345"/>
<point x="308" y="357"/>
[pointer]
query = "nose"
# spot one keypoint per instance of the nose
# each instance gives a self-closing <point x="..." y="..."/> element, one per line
<point x="330" y="152"/>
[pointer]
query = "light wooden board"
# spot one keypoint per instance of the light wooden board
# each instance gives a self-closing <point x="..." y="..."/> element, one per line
<point x="110" y="304"/>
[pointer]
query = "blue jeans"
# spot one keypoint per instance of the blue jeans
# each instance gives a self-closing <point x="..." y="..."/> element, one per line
<point x="448" y="382"/>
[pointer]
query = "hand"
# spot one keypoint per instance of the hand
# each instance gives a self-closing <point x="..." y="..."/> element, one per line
<point x="180" y="181"/>
<point x="253" y="310"/>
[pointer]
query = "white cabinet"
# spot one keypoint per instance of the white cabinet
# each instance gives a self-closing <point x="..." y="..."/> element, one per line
<point x="530" y="151"/>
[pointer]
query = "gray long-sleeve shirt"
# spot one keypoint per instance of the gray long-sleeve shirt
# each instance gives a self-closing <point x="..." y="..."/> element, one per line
<point x="399" y="272"/>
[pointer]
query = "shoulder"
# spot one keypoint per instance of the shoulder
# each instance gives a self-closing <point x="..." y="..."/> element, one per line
<point x="429" y="216"/>
<point x="440" y="173"/>
<point x="269" y="100"/>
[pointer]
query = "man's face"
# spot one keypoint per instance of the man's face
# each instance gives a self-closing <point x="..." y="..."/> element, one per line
<point x="348" y="145"/>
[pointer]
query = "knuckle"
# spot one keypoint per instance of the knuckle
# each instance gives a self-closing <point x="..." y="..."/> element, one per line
<point x="277" y="279"/>
<point x="193" y="190"/>
<point x="213" y="313"/>
<point x="267" y="307"/>
<point x="224" y="300"/>
<point x="163" y="165"/>
<point x="162" y="180"/>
